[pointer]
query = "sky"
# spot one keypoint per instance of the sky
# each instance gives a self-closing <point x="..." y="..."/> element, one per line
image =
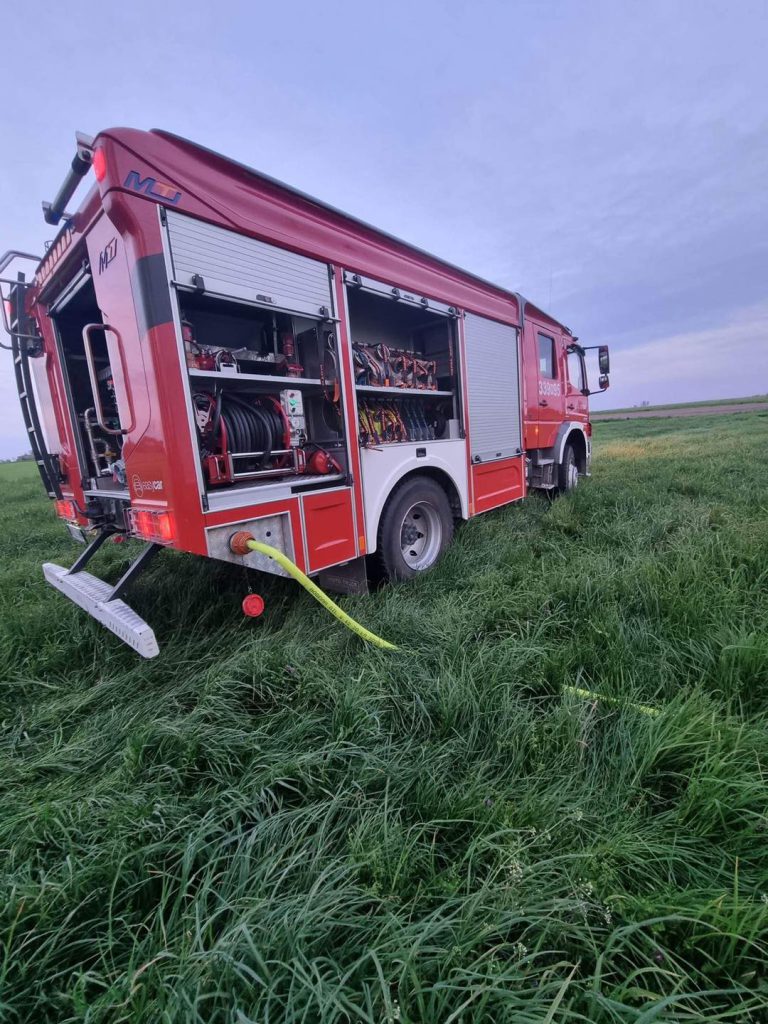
<point x="607" y="159"/>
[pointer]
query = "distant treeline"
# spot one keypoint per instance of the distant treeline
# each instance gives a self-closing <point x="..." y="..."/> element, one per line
<point x="26" y="457"/>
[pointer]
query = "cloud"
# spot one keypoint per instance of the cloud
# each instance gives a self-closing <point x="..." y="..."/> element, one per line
<point x="727" y="360"/>
<point x="607" y="160"/>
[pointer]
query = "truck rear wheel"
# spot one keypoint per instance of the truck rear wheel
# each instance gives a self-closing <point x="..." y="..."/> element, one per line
<point x="568" y="471"/>
<point x="416" y="528"/>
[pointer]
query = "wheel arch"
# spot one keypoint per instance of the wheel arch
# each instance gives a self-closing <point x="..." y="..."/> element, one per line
<point x="440" y="475"/>
<point x="575" y="435"/>
<point x="578" y="442"/>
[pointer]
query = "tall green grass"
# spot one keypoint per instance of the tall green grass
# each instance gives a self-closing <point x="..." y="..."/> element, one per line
<point x="272" y="822"/>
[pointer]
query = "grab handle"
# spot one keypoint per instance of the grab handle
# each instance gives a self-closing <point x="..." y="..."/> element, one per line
<point x="95" y="380"/>
<point x="15" y="254"/>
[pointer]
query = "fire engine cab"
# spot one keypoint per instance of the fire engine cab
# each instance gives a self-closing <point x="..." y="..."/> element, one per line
<point x="203" y="350"/>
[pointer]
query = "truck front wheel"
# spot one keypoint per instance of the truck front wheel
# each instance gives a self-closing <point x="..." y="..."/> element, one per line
<point x="568" y="471"/>
<point x="416" y="528"/>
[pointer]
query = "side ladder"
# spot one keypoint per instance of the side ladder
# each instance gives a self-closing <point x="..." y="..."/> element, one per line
<point x="25" y="343"/>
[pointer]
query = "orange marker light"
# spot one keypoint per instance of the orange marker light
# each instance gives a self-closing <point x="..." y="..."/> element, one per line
<point x="65" y="508"/>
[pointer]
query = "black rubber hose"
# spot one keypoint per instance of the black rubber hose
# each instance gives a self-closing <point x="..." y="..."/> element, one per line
<point x="265" y="429"/>
<point x="233" y="440"/>
<point x="253" y="427"/>
<point x="275" y="422"/>
<point x="240" y="431"/>
<point x="246" y="435"/>
<point x="260" y="429"/>
<point x="216" y="417"/>
<point x="252" y="431"/>
<point x="244" y="431"/>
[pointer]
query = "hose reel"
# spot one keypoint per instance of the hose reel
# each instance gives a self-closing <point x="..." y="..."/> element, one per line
<point x="246" y="436"/>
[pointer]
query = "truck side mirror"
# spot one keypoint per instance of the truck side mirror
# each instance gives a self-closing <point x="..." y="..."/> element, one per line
<point x="603" y="381"/>
<point x="604" y="360"/>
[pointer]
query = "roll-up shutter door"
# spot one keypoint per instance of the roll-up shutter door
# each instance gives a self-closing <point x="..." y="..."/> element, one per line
<point x="493" y="383"/>
<point x="240" y="267"/>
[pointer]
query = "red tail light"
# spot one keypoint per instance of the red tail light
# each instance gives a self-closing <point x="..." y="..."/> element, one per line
<point x="157" y="527"/>
<point x="99" y="164"/>
<point x="65" y="508"/>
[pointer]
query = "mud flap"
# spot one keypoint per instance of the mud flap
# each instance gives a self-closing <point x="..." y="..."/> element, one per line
<point x="350" y="578"/>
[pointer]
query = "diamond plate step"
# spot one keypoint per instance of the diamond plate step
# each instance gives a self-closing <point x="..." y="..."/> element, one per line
<point x="92" y="594"/>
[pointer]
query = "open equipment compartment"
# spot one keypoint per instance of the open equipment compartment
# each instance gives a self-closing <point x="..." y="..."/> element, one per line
<point x="405" y="364"/>
<point x="98" y="435"/>
<point x="262" y="357"/>
<point x="265" y="392"/>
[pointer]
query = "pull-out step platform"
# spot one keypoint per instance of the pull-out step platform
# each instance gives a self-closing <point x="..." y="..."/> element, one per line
<point x="95" y="596"/>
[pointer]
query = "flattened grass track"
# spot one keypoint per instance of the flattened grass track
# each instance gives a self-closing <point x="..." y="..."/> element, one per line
<point x="274" y="822"/>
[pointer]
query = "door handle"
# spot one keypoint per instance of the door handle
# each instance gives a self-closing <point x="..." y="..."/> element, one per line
<point x="95" y="380"/>
<point x="571" y="405"/>
<point x="543" y="401"/>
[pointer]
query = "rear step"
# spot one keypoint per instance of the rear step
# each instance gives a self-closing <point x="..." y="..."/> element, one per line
<point x="102" y="600"/>
<point x="93" y="595"/>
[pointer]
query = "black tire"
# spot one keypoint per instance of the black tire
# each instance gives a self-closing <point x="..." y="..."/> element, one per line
<point x="415" y="529"/>
<point x="568" y="470"/>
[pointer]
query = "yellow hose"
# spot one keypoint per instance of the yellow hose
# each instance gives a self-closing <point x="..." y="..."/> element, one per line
<point x="347" y="620"/>
<point x="576" y="691"/>
<point x="317" y="593"/>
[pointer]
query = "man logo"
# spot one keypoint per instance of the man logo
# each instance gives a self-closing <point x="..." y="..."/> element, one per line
<point x="152" y="187"/>
<point x="107" y="254"/>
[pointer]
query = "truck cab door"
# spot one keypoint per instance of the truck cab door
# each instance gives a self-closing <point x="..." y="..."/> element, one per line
<point x="550" y="369"/>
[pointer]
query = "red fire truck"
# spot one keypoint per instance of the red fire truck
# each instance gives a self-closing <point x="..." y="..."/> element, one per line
<point x="204" y="350"/>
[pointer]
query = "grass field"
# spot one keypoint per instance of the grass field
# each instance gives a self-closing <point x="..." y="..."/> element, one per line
<point x="750" y="399"/>
<point x="272" y="822"/>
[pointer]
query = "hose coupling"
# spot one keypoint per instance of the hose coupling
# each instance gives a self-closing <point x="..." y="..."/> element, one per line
<point x="238" y="543"/>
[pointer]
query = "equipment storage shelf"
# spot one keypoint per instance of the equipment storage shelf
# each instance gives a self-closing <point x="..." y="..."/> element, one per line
<point x="394" y="392"/>
<point x="258" y="378"/>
